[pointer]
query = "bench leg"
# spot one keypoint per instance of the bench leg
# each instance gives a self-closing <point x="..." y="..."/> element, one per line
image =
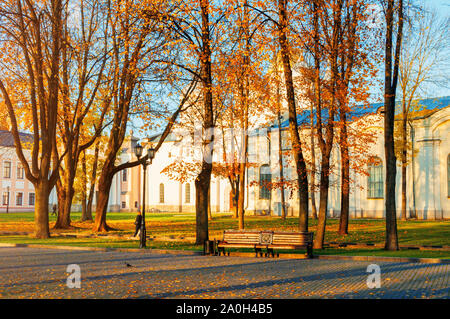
<point x="216" y="250"/>
<point x="309" y="251"/>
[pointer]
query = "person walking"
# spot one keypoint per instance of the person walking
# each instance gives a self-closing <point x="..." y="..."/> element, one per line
<point x="54" y="209"/>
<point x="138" y="223"/>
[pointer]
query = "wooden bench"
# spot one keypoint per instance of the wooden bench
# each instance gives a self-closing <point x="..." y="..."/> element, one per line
<point x="239" y="239"/>
<point x="268" y="240"/>
<point x="291" y="240"/>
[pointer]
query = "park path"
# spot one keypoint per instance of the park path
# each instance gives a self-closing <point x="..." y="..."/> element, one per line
<point x="41" y="273"/>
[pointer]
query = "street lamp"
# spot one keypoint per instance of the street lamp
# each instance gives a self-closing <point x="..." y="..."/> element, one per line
<point x="7" y="201"/>
<point x="148" y="160"/>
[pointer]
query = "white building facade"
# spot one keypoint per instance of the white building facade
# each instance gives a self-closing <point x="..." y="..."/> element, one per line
<point x="428" y="174"/>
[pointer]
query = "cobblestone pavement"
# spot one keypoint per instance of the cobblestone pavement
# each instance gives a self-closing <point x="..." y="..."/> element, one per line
<point x="41" y="273"/>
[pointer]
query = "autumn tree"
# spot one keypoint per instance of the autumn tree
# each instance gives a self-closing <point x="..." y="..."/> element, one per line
<point x="283" y="26"/>
<point x="276" y="82"/>
<point x="244" y="90"/>
<point x="333" y="76"/>
<point x="356" y="71"/>
<point x="84" y="55"/>
<point x="424" y="53"/>
<point x="137" y="36"/>
<point x="394" y="31"/>
<point x="244" y="77"/>
<point x="87" y="177"/>
<point x="328" y="26"/>
<point x="32" y="39"/>
<point x="197" y="27"/>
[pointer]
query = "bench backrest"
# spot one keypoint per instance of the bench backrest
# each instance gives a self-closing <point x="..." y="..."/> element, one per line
<point x="267" y="237"/>
<point x="285" y="238"/>
<point x="232" y="236"/>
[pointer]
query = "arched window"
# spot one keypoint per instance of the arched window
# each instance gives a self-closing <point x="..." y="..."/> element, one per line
<point x="187" y="193"/>
<point x="375" y="179"/>
<point x="265" y="177"/>
<point x="161" y="193"/>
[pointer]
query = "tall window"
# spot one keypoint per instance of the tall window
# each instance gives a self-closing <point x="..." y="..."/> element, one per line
<point x="19" y="199"/>
<point x="161" y="193"/>
<point x="20" y="171"/>
<point x="265" y="177"/>
<point x="5" y="198"/>
<point x="124" y="175"/>
<point x="375" y="180"/>
<point x="7" y="170"/>
<point x="188" y="193"/>
<point x="31" y="199"/>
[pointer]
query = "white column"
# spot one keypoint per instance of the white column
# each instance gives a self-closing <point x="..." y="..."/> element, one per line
<point x="437" y="180"/>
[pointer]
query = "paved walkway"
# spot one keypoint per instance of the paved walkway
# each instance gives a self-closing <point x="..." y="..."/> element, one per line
<point x="41" y="273"/>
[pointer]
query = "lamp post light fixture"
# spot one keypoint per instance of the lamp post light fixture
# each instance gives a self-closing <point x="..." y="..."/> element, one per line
<point x="138" y="150"/>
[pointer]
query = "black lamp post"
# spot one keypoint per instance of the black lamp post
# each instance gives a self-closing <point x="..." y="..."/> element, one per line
<point x="148" y="160"/>
<point x="7" y="201"/>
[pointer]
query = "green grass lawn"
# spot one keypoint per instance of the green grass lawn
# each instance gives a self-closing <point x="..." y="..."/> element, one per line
<point x="177" y="231"/>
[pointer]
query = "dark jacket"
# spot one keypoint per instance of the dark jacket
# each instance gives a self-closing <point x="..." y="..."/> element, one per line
<point x="138" y="220"/>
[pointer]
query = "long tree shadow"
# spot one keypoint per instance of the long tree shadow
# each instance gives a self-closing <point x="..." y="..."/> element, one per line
<point x="246" y="267"/>
<point x="83" y="262"/>
<point x="359" y="272"/>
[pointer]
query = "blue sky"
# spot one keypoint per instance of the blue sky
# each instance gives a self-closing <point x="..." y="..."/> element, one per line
<point x="443" y="9"/>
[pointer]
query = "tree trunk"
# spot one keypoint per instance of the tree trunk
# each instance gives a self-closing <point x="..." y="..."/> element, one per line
<point x="241" y="198"/>
<point x="84" y="207"/>
<point x="209" y="204"/>
<point x="42" y="192"/>
<point x="293" y="126"/>
<point x="391" y="78"/>
<point x="63" y="219"/>
<point x="391" y="173"/>
<point x="202" y="183"/>
<point x="280" y="139"/>
<point x="61" y="197"/>
<point x="84" y="189"/>
<point x="233" y="200"/>
<point x="280" y="161"/>
<point x="92" y="186"/>
<point x="323" y="202"/>
<point x="203" y="180"/>
<point x="104" y="186"/>
<point x="89" y="205"/>
<point x="345" y="179"/>
<point x="245" y="104"/>
<point x="313" y="167"/>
